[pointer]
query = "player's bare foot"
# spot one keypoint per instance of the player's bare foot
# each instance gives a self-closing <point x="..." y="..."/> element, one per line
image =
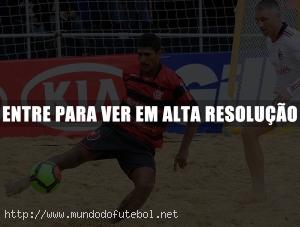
<point x="17" y="186"/>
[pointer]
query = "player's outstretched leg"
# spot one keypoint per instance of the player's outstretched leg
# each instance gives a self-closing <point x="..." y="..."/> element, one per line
<point x="255" y="160"/>
<point x="70" y="159"/>
<point x="144" y="181"/>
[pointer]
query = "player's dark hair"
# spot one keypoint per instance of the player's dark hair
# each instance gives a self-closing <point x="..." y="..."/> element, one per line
<point x="267" y="4"/>
<point x="149" y="40"/>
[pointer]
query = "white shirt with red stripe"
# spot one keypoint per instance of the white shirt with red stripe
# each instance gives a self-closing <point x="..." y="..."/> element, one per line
<point x="284" y="54"/>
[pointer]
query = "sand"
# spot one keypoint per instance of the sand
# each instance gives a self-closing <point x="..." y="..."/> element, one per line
<point x="206" y="193"/>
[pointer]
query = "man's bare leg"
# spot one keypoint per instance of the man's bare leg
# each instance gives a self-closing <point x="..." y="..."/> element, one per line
<point x="70" y="159"/>
<point x="144" y="181"/>
<point x="255" y="159"/>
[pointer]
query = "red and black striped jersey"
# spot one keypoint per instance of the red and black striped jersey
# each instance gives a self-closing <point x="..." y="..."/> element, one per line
<point x="165" y="89"/>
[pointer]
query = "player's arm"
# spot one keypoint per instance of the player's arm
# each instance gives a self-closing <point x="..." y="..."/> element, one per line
<point x="287" y="93"/>
<point x="181" y="157"/>
<point x="184" y="97"/>
<point x="294" y="49"/>
<point x="294" y="86"/>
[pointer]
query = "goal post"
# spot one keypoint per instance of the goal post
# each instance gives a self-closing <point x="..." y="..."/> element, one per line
<point x="239" y="15"/>
<point x="297" y="6"/>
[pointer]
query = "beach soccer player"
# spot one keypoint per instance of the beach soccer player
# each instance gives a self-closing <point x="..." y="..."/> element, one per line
<point x="133" y="144"/>
<point x="283" y="43"/>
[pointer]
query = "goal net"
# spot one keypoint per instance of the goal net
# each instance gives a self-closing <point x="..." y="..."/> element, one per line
<point x="54" y="28"/>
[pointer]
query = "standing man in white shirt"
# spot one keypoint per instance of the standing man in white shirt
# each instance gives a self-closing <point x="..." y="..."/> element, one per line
<point x="283" y="44"/>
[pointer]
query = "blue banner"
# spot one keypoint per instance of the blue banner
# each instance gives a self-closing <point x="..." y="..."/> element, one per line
<point x="205" y="77"/>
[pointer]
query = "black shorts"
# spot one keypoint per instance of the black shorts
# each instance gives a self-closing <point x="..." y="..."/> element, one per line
<point x="111" y="142"/>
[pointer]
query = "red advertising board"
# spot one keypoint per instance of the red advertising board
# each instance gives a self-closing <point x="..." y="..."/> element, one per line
<point x="66" y="81"/>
